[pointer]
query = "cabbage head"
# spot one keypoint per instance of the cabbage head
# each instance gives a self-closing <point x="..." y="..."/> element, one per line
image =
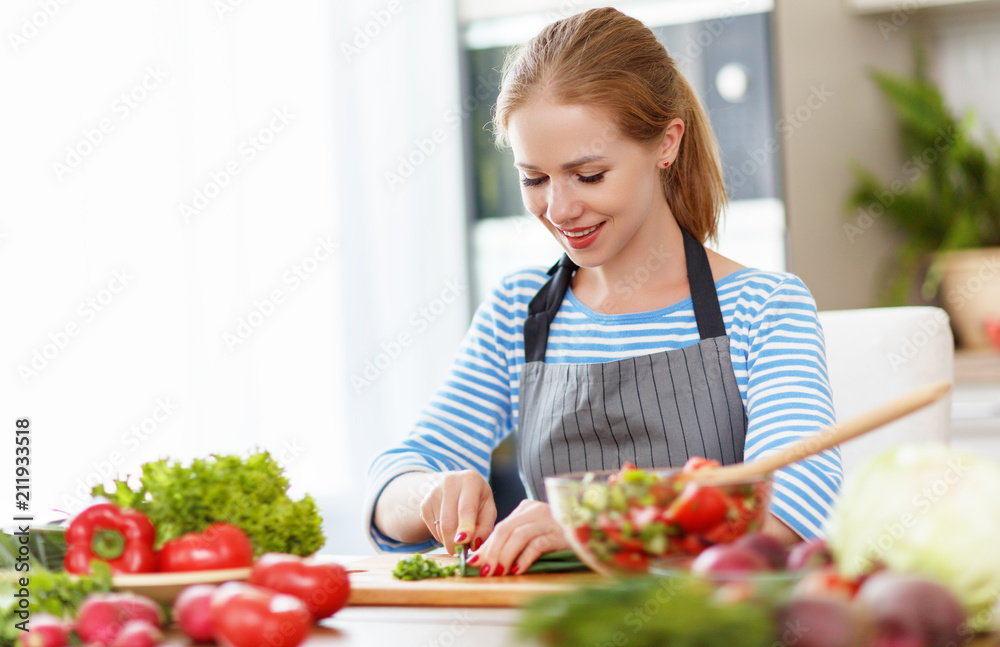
<point x="927" y="510"/>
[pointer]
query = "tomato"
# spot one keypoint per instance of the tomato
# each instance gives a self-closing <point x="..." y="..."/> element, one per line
<point x="323" y="586"/>
<point x="583" y="534"/>
<point x="698" y="463"/>
<point x="617" y="537"/>
<point x="722" y="533"/>
<point x="663" y="494"/>
<point x="630" y="560"/>
<point x="699" y="508"/>
<point x="221" y="545"/>
<point x="689" y="544"/>
<point x="251" y="616"/>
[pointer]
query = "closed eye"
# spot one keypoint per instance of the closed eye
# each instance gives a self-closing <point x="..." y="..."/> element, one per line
<point x="589" y="179"/>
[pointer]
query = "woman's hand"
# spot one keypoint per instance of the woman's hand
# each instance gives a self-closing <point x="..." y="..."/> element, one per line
<point x="459" y="509"/>
<point x="517" y="541"/>
<point x="452" y="507"/>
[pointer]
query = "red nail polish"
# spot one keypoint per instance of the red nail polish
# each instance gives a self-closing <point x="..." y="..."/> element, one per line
<point x="484" y="571"/>
<point x="460" y="537"/>
<point x="499" y="570"/>
<point x="473" y="559"/>
<point x="514" y="569"/>
<point x="479" y="542"/>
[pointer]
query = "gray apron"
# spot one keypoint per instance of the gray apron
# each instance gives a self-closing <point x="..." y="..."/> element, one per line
<point x="653" y="410"/>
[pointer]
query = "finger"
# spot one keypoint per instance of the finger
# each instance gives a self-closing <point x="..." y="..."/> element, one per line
<point x="429" y="513"/>
<point x="476" y="510"/>
<point x="451" y="491"/>
<point x="520" y="539"/>
<point x="488" y="556"/>
<point x="544" y="539"/>
<point x="487" y="520"/>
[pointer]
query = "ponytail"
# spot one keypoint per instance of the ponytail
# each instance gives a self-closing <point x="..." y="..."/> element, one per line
<point x="693" y="185"/>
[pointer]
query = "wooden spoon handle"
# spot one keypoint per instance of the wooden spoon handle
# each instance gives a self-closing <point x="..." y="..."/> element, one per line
<point x="834" y="435"/>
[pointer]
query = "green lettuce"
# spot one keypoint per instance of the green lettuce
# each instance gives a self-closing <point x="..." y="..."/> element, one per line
<point x="249" y="492"/>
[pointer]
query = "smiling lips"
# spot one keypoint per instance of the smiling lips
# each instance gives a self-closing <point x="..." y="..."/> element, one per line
<point x="582" y="237"/>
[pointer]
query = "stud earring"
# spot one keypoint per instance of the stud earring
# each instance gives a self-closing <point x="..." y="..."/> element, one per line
<point x="666" y="164"/>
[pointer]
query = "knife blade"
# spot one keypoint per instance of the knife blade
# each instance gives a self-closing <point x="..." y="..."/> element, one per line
<point x="462" y="560"/>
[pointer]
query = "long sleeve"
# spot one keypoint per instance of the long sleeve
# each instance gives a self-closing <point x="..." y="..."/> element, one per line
<point x="788" y="398"/>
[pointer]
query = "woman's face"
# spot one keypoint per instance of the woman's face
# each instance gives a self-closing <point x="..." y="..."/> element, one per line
<point x="596" y="191"/>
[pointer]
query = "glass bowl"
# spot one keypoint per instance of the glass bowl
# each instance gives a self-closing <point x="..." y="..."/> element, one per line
<point x="635" y="521"/>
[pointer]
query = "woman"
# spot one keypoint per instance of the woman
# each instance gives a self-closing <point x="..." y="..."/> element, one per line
<point x="640" y="345"/>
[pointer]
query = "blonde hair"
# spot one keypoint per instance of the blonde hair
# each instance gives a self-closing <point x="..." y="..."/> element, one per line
<point x="605" y="59"/>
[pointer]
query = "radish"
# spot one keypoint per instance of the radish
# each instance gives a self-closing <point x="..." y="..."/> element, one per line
<point x="102" y="615"/>
<point x="192" y="611"/>
<point x="138" y="633"/>
<point x="45" y="630"/>
<point x="912" y="608"/>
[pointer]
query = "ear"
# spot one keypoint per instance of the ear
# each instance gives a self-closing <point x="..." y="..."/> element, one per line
<point x="670" y="143"/>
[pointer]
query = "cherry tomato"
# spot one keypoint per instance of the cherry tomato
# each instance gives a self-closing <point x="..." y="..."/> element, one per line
<point x="323" y="586"/>
<point x="699" y="508"/>
<point x="630" y="560"/>
<point x="617" y="537"/>
<point x="697" y="463"/>
<point x="219" y="546"/>
<point x="250" y="616"/>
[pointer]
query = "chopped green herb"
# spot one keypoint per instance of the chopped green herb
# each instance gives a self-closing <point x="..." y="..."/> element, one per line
<point x="419" y="567"/>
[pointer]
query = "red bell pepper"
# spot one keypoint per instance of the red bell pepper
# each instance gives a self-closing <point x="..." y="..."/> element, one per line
<point x="221" y="545"/>
<point x="123" y="538"/>
<point x="323" y="586"/>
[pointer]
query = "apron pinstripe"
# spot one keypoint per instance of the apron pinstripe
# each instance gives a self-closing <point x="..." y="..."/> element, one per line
<point x="652" y="410"/>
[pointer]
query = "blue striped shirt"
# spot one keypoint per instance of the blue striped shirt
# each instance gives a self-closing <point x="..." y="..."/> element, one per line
<point x="778" y="356"/>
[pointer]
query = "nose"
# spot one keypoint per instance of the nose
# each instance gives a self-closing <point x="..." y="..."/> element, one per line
<point x="563" y="206"/>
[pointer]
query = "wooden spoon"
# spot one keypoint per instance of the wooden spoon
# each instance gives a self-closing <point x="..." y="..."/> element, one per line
<point x="839" y="433"/>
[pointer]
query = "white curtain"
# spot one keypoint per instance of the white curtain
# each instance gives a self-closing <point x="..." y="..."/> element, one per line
<point x="401" y="202"/>
<point x="198" y="245"/>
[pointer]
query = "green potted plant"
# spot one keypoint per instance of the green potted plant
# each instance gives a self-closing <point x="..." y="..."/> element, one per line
<point x="946" y="205"/>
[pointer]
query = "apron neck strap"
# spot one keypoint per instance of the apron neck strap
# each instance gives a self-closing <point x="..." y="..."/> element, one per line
<point x="704" y="298"/>
<point x="543" y="308"/>
<point x="545" y="304"/>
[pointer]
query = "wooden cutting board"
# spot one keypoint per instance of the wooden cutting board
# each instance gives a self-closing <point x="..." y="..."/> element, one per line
<point x="372" y="583"/>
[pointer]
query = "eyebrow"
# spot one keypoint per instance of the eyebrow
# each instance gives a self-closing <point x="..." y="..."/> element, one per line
<point x="567" y="166"/>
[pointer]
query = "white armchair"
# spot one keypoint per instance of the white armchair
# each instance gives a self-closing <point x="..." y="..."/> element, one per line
<point x="878" y="354"/>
